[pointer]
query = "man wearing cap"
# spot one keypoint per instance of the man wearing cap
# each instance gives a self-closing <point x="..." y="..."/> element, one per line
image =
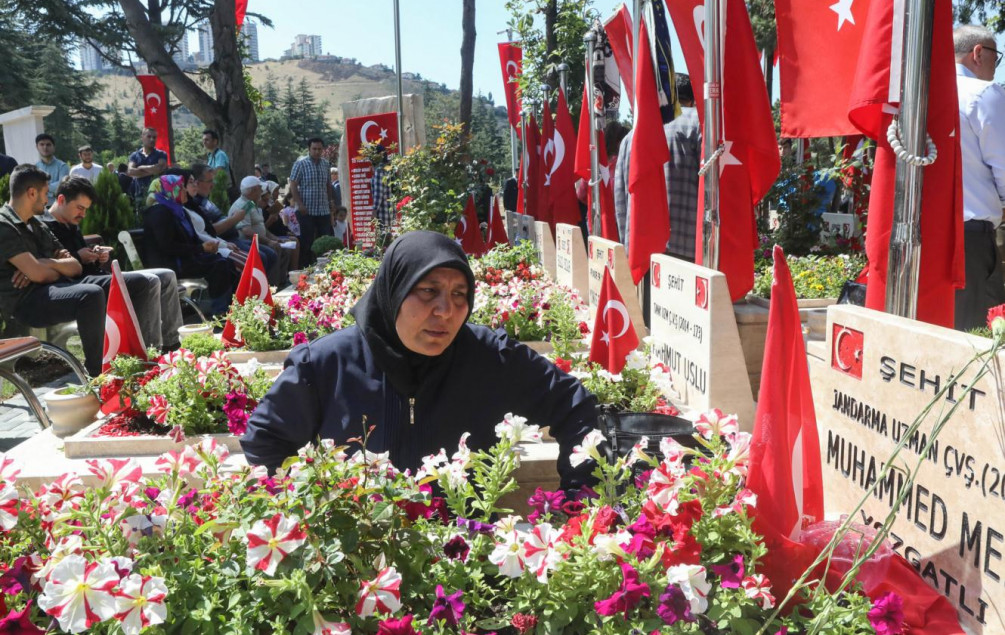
<point x="87" y="168"/>
<point x="253" y="224"/>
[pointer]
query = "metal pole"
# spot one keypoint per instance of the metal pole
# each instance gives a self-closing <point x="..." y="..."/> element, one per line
<point x="636" y="21"/>
<point x="591" y="39"/>
<point x="397" y="67"/>
<point x="524" y="182"/>
<point x="713" y="131"/>
<point x="905" y="238"/>
<point x="563" y="79"/>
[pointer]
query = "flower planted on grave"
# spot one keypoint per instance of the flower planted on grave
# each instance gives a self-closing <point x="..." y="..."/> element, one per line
<point x="641" y="386"/>
<point x="340" y="541"/>
<point x="814" y="277"/>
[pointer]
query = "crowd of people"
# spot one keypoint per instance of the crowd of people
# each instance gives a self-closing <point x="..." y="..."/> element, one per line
<point x="51" y="274"/>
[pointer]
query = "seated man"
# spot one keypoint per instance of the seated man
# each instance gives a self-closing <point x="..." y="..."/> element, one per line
<point x="36" y="272"/>
<point x="253" y="224"/>
<point x="154" y="292"/>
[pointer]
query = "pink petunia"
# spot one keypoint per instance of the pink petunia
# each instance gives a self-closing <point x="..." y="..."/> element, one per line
<point x="271" y="540"/>
<point x="715" y="424"/>
<point x="887" y="614"/>
<point x="9" y="505"/>
<point x="115" y="472"/>
<point x="184" y="462"/>
<point x="159" y="409"/>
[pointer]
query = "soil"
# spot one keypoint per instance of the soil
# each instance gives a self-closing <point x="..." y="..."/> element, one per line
<point x="41" y="368"/>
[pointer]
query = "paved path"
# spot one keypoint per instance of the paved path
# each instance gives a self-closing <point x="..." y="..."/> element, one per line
<point x="17" y="423"/>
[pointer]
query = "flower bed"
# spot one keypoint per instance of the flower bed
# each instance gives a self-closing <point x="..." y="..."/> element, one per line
<point x="814" y="277"/>
<point x="342" y="542"/>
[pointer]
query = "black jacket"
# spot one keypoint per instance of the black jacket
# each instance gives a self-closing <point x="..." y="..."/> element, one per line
<point x="329" y="385"/>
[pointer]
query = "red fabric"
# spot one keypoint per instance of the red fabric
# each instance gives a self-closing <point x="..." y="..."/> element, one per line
<point x="467" y="231"/>
<point x="521" y="182"/>
<point x="254" y="284"/>
<point x="534" y="177"/>
<point x="240" y="8"/>
<point x="582" y="167"/>
<point x="750" y="163"/>
<point x="614" y="338"/>
<point x="785" y="467"/>
<point x="926" y="611"/>
<point x="155" y="111"/>
<point x="511" y="60"/>
<point x="546" y="158"/>
<point x="814" y="87"/>
<point x="497" y="228"/>
<point x="649" y="215"/>
<point x="942" y="260"/>
<point x="619" y="34"/>
<point x="689" y="22"/>
<point x="608" y="219"/>
<point x="564" y="202"/>
<point x="122" y="330"/>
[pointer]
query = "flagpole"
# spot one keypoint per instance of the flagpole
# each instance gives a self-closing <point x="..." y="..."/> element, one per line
<point x="591" y="39"/>
<point x="524" y="116"/>
<point x="513" y="149"/>
<point x="711" y="138"/>
<point x="397" y="65"/>
<point x="914" y="151"/>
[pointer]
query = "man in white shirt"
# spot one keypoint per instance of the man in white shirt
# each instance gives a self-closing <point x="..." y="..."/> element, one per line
<point x="982" y="141"/>
<point x="86" y="168"/>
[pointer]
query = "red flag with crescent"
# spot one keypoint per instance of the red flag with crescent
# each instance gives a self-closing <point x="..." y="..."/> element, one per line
<point x="619" y="34"/>
<point x="511" y="59"/>
<point x="497" y="228"/>
<point x="240" y="8"/>
<point x="254" y="284"/>
<point x="122" y="329"/>
<point x="546" y="152"/>
<point x="614" y="335"/>
<point x="561" y="153"/>
<point x="467" y="232"/>
<point x="155" y="110"/>
<point x="608" y="219"/>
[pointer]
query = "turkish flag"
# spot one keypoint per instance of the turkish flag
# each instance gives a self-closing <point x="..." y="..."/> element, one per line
<point x="750" y="162"/>
<point x="497" y="228"/>
<point x="533" y="179"/>
<point x="785" y="469"/>
<point x="122" y="329"/>
<point x="619" y="35"/>
<point x="561" y="152"/>
<point x="815" y="88"/>
<point x="155" y="110"/>
<point x="875" y="97"/>
<point x="689" y="22"/>
<point x="608" y="219"/>
<point x="546" y="161"/>
<point x="240" y="8"/>
<point x="254" y="284"/>
<point x="614" y="336"/>
<point x="649" y="215"/>
<point x="511" y="60"/>
<point x="467" y="232"/>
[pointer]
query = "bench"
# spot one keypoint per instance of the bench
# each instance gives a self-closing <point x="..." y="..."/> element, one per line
<point x="13" y="348"/>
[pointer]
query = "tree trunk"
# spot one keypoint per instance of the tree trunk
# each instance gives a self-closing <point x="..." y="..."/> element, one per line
<point x="467" y="62"/>
<point x="231" y="113"/>
<point x="551" y="44"/>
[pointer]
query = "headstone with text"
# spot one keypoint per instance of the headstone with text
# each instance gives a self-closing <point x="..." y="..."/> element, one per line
<point x="877" y="374"/>
<point x="544" y="243"/>
<point x="610" y="254"/>
<point x="571" y="268"/>
<point x="694" y="333"/>
<point x="512" y="227"/>
<point x="359" y="131"/>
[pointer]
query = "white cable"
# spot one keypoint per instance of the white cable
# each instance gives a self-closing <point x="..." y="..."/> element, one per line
<point x="712" y="159"/>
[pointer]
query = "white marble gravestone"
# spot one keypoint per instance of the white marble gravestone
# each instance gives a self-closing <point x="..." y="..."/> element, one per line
<point x="527" y="229"/>
<point x="19" y="129"/>
<point x="694" y="333"/>
<point x="544" y="242"/>
<point x="571" y="268"/>
<point x="876" y="374"/>
<point x="610" y="254"/>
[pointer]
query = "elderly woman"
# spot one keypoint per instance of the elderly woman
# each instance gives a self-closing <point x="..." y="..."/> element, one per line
<point x="172" y="243"/>
<point x="416" y="370"/>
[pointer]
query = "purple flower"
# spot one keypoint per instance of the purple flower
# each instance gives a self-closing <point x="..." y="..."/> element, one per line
<point x="17" y="578"/>
<point x="299" y="338"/>
<point x="19" y="623"/>
<point x="152" y="493"/>
<point x="625" y="598"/>
<point x="457" y="548"/>
<point x="235" y="406"/>
<point x="186" y="499"/>
<point x="731" y="572"/>
<point x="544" y="503"/>
<point x="674" y="606"/>
<point x="475" y="527"/>
<point x="642" y="480"/>
<point x="446" y="607"/>
<point x="295" y="301"/>
<point x="397" y="627"/>
<point x="887" y="614"/>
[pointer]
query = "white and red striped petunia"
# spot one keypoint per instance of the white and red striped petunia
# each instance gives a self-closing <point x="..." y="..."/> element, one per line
<point x="539" y="550"/>
<point x="664" y="484"/>
<point x="7" y="471"/>
<point x="140" y="602"/>
<point x="380" y="595"/>
<point x="715" y="424"/>
<point x="758" y="587"/>
<point x="271" y="540"/>
<point x="80" y="594"/>
<point x="9" y="505"/>
<point x="159" y="409"/>
<point x="184" y="462"/>
<point x="324" y="627"/>
<point x="114" y="472"/>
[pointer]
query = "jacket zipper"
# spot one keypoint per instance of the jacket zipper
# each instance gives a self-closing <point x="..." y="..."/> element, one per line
<point x="411" y="411"/>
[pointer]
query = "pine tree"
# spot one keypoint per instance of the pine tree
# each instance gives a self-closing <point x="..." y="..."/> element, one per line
<point x="111" y="212"/>
<point x="218" y="196"/>
<point x="122" y="134"/>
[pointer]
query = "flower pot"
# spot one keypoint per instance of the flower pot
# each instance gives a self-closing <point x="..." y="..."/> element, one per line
<point x="264" y="357"/>
<point x="624" y="429"/>
<point x="70" y="411"/>
<point x="295" y="276"/>
<point x="191" y="329"/>
<point x="541" y="347"/>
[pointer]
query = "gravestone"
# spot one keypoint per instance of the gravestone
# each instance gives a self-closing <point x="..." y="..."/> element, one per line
<point x="545" y="245"/>
<point x="694" y="333"/>
<point x="512" y="227"/>
<point x="876" y="374"/>
<point x="571" y="268"/>
<point x="610" y="254"/>
<point x="527" y="230"/>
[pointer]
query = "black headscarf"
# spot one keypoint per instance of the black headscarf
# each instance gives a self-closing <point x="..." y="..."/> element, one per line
<point x="407" y="261"/>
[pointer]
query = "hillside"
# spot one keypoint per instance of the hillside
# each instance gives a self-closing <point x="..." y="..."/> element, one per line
<point x="333" y="80"/>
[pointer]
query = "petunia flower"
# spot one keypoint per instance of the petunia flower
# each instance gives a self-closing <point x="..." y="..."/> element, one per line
<point x="515" y="429"/>
<point x="183" y="463"/>
<point x="7" y="471"/>
<point x="114" y="472"/>
<point x="627" y="597"/>
<point x="9" y="505"/>
<point x="324" y="627"/>
<point x="398" y="627"/>
<point x="715" y="424"/>
<point x="887" y="614"/>
<point x="587" y="449"/>
<point x="674" y="606"/>
<point x="448" y="608"/>
<point x="539" y="550"/>
<point x="638" y="452"/>
<point x="380" y="595"/>
<point x="757" y="587"/>
<point x="731" y="573"/>
<point x="79" y="594"/>
<point x="691" y="580"/>
<point x="271" y="540"/>
<point x="544" y="503"/>
<point x="158" y="409"/>
<point x="141" y="602"/>
<point x="508" y="555"/>
<point x="664" y="484"/>
<point x="19" y="623"/>
<point x="457" y="548"/>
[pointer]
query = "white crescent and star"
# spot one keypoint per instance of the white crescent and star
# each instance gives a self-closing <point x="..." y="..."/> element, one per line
<point x="620" y="308"/>
<point x="556" y="146"/>
<point x="113" y="339"/>
<point x="362" y="131"/>
<point x="699" y="23"/>
<point x="511" y="74"/>
<point x="843" y="10"/>
<point x="837" y="349"/>
<point x="151" y="96"/>
<point x="727" y="158"/>
<point x="263" y="283"/>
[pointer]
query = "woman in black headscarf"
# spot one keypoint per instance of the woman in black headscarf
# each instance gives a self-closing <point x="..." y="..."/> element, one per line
<point x="415" y="369"/>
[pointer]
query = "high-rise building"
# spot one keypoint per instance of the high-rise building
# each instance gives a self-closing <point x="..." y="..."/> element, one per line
<point x="181" y="55"/>
<point x="92" y="60"/>
<point x="305" y="46"/>
<point x="250" y="34"/>
<point x="205" y="32"/>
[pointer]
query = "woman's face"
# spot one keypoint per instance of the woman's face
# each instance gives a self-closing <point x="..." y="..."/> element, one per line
<point x="433" y="312"/>
<point x="191" y="186"/>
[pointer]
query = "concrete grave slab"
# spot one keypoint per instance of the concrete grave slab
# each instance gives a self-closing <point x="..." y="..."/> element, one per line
<point x="544" y="242"/>
<point x="610" y="254"/>
<point x="571" y="268"/>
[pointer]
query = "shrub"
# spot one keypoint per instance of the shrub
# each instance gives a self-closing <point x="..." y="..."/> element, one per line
<point x="201" y="344"/>
<point x="110" y="213"/>
<point x="324" y="244"/>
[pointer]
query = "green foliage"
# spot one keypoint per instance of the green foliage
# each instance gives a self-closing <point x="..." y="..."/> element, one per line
<point x="252" y="320"/>
<point x="188" y="146"/>
<point x="509" y="257"/>
<point x="990" y="13"/>
<point x="123" y="134"/>
<point x="4" y="188"/>
<point x="762" y="20"/>
<point x="324" y="244"/>
<point x="275" y="143"/>
<point x="202" y="344"/>
<point x="797" y="201"/>
<point x="489" y="127"/>
<point x="218" y="196"/>
<point x="110" y="213"/>
<point x="306" y="117"/>
<point x="813" y="276"/>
